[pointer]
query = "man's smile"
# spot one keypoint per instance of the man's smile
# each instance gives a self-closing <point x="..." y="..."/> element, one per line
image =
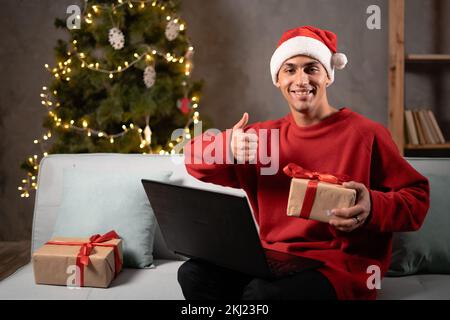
<point x="303" y="93"/>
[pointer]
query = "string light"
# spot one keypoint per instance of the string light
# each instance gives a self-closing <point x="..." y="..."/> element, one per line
<point x="95" y="66"/>
<point x="89" y="18"/>
<point x="130" y="5"/>
<point x="63" y="68"/>
<point x="90" y="131"/>
<point x="71" y="125"/>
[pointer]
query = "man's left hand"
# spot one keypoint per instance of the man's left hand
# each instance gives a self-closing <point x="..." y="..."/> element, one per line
<point x="348" y="219"/>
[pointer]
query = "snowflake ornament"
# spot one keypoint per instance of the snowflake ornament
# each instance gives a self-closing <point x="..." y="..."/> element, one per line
<point x="116" y="38"/>
<point x="172" y="30"/>
<point x="149" y="76"/>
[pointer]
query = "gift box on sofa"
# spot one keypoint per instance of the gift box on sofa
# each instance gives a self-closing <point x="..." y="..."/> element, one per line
<point x="313" y="195"/>
<point x="92" y="262"/>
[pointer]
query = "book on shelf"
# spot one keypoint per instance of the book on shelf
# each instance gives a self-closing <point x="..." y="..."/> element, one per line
<point x="426" y="127"/>
<point x="436" y="127"/>
<point x="421" y="128"/>
<point x="430" y="125"/>
<point x="411" y="128"/>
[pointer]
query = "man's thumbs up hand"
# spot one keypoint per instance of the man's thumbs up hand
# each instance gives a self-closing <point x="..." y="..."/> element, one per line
<point x="244" y="146"/>
<point x="242" y="123"/>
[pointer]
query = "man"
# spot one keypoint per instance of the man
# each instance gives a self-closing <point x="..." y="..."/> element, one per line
<point x="391" y="195"/>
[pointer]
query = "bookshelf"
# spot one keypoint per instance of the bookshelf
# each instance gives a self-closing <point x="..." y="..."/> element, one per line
<point x="414" y="58"/>
<point x="398" y="61"/>
<point x="428" y="146"/>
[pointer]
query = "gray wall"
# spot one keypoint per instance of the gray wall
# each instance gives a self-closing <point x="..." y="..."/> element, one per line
<point x="27" y="38"/>
<point x="234" y="40"/>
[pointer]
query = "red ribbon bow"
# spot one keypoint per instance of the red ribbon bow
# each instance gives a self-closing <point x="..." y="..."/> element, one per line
<point x="95" y="240"/>
<point x="295" y="171"/>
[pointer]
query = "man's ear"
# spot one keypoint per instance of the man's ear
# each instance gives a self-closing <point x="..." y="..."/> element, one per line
<point x="278" y="83"/>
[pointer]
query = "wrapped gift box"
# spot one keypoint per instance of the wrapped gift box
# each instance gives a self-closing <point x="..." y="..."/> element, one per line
<point x="314" y="198"/>
<point x="98" y="259"/>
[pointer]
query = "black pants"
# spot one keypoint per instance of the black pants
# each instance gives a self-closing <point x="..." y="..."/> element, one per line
<point x="200" y="280"/>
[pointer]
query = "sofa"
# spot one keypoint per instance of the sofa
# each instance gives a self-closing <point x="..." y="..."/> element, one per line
<point x="160" y="281"/>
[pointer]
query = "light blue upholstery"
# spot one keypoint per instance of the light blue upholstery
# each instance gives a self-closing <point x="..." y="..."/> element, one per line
<point x="161" y="282"/>
<point x="95" y="202"/>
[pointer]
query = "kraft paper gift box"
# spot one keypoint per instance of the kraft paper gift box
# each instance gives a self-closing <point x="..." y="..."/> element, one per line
<point x="97" y="260"/>
<point x="313" y="195"/>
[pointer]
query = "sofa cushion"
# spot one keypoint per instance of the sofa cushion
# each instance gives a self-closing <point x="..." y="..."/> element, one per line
<point x="50" y="181"/>
<point x="97" y="201"/>
<point x="415" y="287"/>
<point x="161" y="283"/>
<point x="156" y="283"/>
<point x="428" y="249"/>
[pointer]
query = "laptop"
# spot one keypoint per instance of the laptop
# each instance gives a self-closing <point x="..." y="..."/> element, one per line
<point x="218" y="228"/>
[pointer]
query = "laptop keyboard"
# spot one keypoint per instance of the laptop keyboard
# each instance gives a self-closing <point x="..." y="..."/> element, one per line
<point x="281" y="267"/>
<point x="282" y="264"/>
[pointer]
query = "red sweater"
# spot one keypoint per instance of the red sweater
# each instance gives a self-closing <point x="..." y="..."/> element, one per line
<point x="343" y="143"/>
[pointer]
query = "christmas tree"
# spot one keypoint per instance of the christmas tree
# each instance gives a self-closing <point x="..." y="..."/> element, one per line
<point x="121" y="84"/>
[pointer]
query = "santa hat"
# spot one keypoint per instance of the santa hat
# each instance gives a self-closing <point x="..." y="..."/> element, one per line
<point x="309" y="41"/>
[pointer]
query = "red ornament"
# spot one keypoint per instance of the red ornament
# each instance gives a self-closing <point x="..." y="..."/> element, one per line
<point x="184" y="105"/>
